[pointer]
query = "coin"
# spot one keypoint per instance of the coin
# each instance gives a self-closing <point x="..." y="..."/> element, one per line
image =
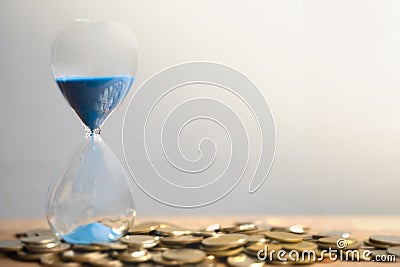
<point x="38" y="240"/>
<point x="266" y="251"/>
<point x="107" y="263"/>
<point x="242" y="260"/>
<point x="300" y="246"/>
<point x="42" y="246"/>
<point x="181" y="240"/>
<point x="140" y="241"/>
<point x="54" y="260"/>
<point x="112" y="245"/>
<point x="344" y="234"/>
<point x="24" y="256"/>
<point x="375" y="253"/>
<point x="390" y="240"/>
<point x="298" y="229"/>
<point x="35" y="232"/>
<point x="284" y="237"/>
<point x="225" y="241"/>
<point x="225" y="253"/>
<point x="83" y="256"/>
<point x="254" y="239"/>
<point x="204" y="233"/>
<point x="394" y="251"/>
<point x="79" y="247"/>
<point x="378" y="246"/>
<point x="185" y="255"/>
<point x="238" y="228"/>
<point x="144" y="228"/>
<point x="54" y="249"/>
<point x="172" y="229"/>
<point x="212" y="227"/>
<point x="135" y="256"/>
<point x="295" y="229"/>
<point x="157" y="258"/>
<point x="10" y="245"/>
<point x="333" y="240"/>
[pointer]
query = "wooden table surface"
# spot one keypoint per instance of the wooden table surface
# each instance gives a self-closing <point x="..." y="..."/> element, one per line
<point x="359" y="226"/>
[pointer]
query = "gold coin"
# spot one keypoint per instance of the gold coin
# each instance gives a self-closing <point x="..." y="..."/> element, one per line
<point x="225" y="241"/>
<point x="171" y="230"/>
<point x="355" y="245"/>
<point x="181" y="240"/>
<point x="242" y="260"/>
<point x="84" y="257"/>
<point x="288" y="259"/>
<point x="185" y="255"/>
<point x="263" y="250"/>
<point x="107" y="263"/>
<point x="89" y="248"/>
<point x="284" y="237"/>
<point x="298" y="229"/>
<point x="10" y="245"/>
<point x="269" y="247"/>
<point x="212" y="228"/>
<point x="42" y="246"/>
<point x="49" y="249"/>
<point x="239" y="228"/>
<point x="280" y="229"/>
<point x="276" y="262"/>
<point x="144" y="228"/>
<point x="254" y="239"/>
<point x="225" y="253"/>
<point x="390" y="240"/>
<point x="54" y="260"/>
<point x="112" y="245"/>
<point x="300" y="246"/>
<point x="157" y="258"/>
<point x="140" y="241"/>
<point x="343" y="234"/>
<point x="135" y="256"/>
<point x="38" y="240"/>
<point x="303" y="261"/>
<point x="204" y="233"/>
<point x="333" y="240"/>
<point x="158" y="249"/>
<point x="25" y="256"/>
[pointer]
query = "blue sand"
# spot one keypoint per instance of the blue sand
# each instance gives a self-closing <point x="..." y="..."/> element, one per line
<point x="90" y="233"/>
<point x="94" y="98"/>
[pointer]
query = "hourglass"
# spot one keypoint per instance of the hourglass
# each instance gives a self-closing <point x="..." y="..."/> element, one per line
<point x="93" y="64"/>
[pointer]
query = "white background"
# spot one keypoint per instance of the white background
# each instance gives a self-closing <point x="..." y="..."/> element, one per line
<point x="329" y="69"/>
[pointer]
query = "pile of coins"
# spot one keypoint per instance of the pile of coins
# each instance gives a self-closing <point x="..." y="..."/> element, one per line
<point x="163" y="244"/>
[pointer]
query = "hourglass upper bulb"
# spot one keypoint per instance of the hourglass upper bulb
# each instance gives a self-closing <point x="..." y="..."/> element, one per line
<point x="94" y="65"/>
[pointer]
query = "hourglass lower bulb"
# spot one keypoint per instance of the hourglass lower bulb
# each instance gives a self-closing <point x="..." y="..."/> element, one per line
<point x="92" y="200"/>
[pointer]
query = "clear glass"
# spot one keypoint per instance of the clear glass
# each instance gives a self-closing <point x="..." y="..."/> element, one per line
<point x="94" y="64"/>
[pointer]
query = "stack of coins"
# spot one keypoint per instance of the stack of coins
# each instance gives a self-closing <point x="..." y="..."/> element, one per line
<point x="384" y="245"/>
<point x="224" y="245"/>
<point x="163" y="244"/>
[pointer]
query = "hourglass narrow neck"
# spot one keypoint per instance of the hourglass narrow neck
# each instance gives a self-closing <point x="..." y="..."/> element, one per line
<point x="92" y="133"/>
